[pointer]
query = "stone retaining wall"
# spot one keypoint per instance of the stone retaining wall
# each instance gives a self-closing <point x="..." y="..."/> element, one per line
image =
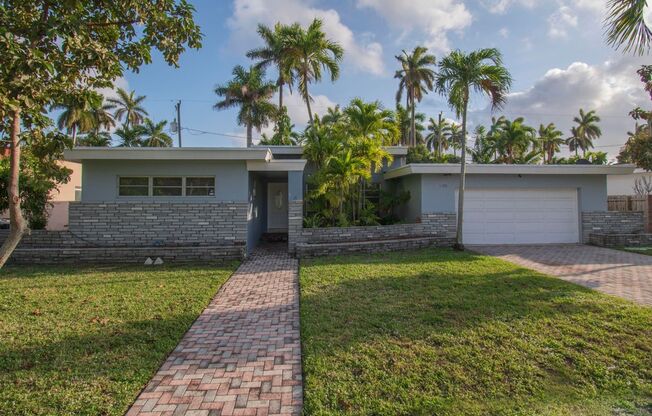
<point x="611" y="222"/>
<point x="620" y="240"/>
<point x="304" y="250"/>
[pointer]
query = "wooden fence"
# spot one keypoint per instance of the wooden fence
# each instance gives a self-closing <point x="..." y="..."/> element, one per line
<point x="633" y="203"/>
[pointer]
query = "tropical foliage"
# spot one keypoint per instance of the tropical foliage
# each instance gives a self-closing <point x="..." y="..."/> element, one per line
<point x="346" y="148"/>
<point x="626" y="26"/>
<point x="249" y="91"/>
<point x="416" y="77"/>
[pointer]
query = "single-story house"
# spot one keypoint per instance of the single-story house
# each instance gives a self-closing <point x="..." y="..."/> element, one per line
<point x="624" y="184"/>
<point x="220" y="201"/>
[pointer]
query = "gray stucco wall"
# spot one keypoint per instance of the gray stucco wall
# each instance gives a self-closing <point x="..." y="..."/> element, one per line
<point x="100" y="178"/>
<point x="410" y="211"/>
<point x="438" y="191"/>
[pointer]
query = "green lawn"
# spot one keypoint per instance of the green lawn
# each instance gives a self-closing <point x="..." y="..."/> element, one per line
<point x="438" y="332"/>
<point x="79" y="341"/>
<point x="639" y="250"/>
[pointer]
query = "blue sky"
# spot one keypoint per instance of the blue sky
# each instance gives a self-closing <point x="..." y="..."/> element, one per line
<point x="554" y="49"/>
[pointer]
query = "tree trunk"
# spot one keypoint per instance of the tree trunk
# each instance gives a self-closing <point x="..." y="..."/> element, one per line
<point x="413" y="132"/>
<point x="459" y="241"/>
<point x="74" y="135"/>
<point x="280" y="93"/>
<point x="307" y="98"/>
<point x="17" y="226"/>
<point x="250" y="139"/>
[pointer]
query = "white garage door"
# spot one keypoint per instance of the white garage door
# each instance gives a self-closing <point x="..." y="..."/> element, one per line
<point x="502" y="216"/>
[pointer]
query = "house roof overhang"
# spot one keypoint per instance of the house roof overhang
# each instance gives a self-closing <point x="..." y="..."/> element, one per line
<point x="298" y="150"/>
<point x="79" y="154"/>
<point x="452" y="169"/>
<point x="283" y="165"/>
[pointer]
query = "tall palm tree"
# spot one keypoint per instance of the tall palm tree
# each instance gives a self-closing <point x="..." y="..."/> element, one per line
<point x="455" y="137"/>
<point x="587" y="130"/>
<point x="438" y="140"/>
<point x="154" y="135"/>
<point x="309" y="53"/>
<point x="76" y="117"/>
<point x="277" y="52"/>
<point x="626" y="26"/>
<point x="129" y="136"/>
<point x="551" y="140"/>
<point x="128" y="106"/>
<point x="460" y="74"/>
<point x="416" y="78"/>
<point x="404" y="123"/>
<point x="371" y="120"/>
<point x="514" y="139"/>
<point x="251" y="92"/>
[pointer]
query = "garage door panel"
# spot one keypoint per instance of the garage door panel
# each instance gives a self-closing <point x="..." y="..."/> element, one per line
<point x="521" y="216"/>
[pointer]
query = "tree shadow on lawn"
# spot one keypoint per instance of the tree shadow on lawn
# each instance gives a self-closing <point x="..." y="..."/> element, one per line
<point x="96" y="373"/>
<point x="400" y="330"/>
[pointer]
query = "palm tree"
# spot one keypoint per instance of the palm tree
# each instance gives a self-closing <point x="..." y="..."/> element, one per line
<point x="416" y="78"/>
<point x="251" y="92"/>
<point x="404" y="123"/>
<point x="76" y="117"/>
<point x="154" y="135"/>
<point x="455" y="137"/>
<point x="438" y="138"/>
<point x="514" y="139"/>
<point x="129" y="136"/>
<point x="587" y="130"/>
<point x="626" y="26"/>
<point x="371" y="120"/>
<point x="334" y="115"/>
<point x="551" y="141"/>
<point x="481" y="71"/>
<point x="309" y="53"/>
<point x="128" y="106"/>
<point x="96" y="138"/>
<point x="277" y="52"/>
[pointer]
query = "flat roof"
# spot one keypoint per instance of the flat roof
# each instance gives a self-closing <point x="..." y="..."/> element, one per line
<point x="454" y="168"/>
<point x="79" y="154"/>
<point x="298" y="150"/>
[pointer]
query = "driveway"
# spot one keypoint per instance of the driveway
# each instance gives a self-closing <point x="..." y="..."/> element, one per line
<point x="628" y="275"/>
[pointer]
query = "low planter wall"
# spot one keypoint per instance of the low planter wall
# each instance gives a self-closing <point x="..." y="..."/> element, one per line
<point x="434" y="229"/>
<point x="611" y="222"/>
<point x="621" y="240"/>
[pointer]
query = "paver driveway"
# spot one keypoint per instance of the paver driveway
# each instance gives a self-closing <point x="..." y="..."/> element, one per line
<point x="628" y="275"/>
<point x="243" y="355"/>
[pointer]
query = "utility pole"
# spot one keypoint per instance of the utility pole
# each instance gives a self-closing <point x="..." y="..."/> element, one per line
<point x="178" y="107"/>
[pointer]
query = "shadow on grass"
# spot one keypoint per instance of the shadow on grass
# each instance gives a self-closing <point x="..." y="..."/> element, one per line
<point x="441" y="332"/>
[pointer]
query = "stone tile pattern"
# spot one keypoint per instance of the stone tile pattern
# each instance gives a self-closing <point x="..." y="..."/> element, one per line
<point x="621" y="240"/>
<point x="134" y="224"/>
<point x="243" y="355"/>
<point x="295" y="224"/>
<point x="434" y="229"/>
<point x="611" y="222"/>
<point x="619" y="273"/>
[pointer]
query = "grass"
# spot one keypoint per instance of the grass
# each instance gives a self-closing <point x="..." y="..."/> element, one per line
<point x="85" y="341"/>
<point x="639" y="250"/>
<point x="437" y="332"/>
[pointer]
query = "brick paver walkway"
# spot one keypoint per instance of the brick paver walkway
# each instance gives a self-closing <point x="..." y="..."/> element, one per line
<point x="628" y="275"/>
<point x="243" y="355"/>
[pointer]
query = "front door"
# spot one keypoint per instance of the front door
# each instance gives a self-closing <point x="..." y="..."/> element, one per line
<point x="277" y="207"/>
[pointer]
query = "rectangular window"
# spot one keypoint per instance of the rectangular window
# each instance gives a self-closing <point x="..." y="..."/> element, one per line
<point x="134" y="186"/>
<point x="200" y="186"/>
<point x="167" y="186"/>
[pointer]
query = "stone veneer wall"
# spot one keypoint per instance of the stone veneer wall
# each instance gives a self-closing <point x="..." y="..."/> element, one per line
<point x="434" y="229"/>
<point x="620" y="240"/>
<point x="134" y="224"/>
<point x="295" y="224"/>
<point x="611" y="222"/>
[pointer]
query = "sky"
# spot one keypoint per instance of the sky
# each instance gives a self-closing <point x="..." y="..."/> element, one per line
<point x="554" y="49"/>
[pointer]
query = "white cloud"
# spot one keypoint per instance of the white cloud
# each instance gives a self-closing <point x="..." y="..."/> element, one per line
<point x="560" y="21"/>
<point x="504" y="32"/>
<point x="120" y="82"/>
<point x="364" y="55"/>
<point x="433" y="18"/>
<point x="501" y="6"/>
<point x="612" y="89"/>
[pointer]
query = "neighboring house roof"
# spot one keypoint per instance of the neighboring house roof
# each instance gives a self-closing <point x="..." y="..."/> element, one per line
<point x="167" y="153"/>
<point x="451" y="169"/>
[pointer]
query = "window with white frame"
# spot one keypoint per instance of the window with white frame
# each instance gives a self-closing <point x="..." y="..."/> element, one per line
<point x="167" y="186"/>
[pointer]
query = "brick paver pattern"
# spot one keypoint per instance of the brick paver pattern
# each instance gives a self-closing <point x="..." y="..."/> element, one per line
<point x="619" y="273"/>
<point x="243" y="354"/>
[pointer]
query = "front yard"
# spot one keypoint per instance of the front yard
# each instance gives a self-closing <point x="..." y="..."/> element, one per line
<point x="85" y="341"/>
<point x="447" y="333"/>
<point x="639" y="250"/>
